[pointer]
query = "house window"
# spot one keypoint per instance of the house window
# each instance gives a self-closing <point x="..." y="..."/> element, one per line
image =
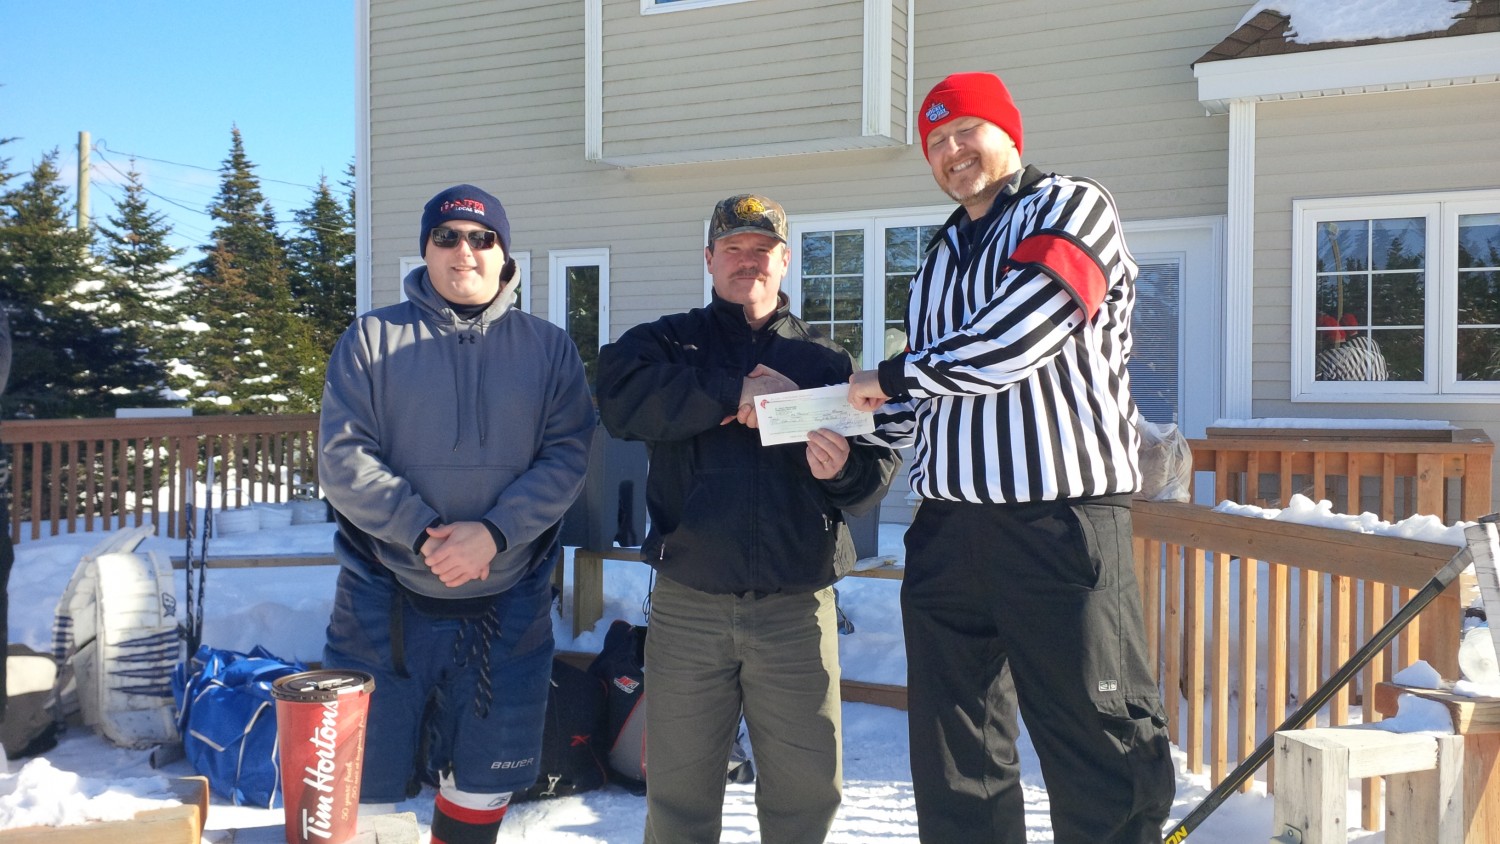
<point x="578" y="301"/>
<point x="905" y="245"/>
<point x="1397" y="297"/>
<point x="849" y="277"/>
<point x="1371" y="299"/>
<point x="1478" y="298"/>
<point x="1155" y="331"/>
<point x="833" y="286"/>
<point x="652" y="7"/>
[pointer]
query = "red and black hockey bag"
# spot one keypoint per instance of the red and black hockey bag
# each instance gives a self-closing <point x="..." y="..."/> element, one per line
<point x="572" y="739"/>
<point x="621" y="666"/>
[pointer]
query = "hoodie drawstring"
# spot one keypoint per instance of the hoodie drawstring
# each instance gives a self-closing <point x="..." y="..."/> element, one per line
<point x="484" y="412"/>
<point x="458" y="420"/>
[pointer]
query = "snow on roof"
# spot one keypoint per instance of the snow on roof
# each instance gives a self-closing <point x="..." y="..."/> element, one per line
<point x="1321" y="21"/>
<point x="1278" y="27"/>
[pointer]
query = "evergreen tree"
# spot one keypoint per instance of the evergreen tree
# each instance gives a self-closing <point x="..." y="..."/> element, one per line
<point x="68" y="359"/>
<point x="141" y="282"/>
<point x="251" y="352"/>
<point x="322" y="260"/>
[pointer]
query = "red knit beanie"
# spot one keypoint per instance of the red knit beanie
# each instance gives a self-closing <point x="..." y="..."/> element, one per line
<point x="980" y="95"/>
<point x="1326" y="321"/>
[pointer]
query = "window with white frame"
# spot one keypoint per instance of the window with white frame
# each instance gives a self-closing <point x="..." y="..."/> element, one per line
<point x="578" y="300"/>
<point x="1155" y="331"/>
<point x="1397" y="298"/>
<point x="849" y="276"/>
<point x="652" y="7"/>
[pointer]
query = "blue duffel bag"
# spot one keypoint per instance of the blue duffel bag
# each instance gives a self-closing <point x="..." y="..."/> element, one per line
<point x="227" y="719"/>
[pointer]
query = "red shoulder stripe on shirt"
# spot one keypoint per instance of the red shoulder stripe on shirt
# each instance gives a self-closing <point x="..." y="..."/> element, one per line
<point x="1070" y="263"/>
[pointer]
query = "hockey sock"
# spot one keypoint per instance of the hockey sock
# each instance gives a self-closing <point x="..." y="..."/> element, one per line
<point x="460" y="817"/>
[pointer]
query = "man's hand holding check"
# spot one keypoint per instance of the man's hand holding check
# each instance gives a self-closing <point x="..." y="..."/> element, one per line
<point x="820" y="417"/>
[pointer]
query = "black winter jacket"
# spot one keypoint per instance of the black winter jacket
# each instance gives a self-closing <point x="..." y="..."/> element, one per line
<point x="729" y="515"/>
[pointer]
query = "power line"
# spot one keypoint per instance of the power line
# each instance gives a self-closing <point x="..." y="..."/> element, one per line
<point x="178" y="227"/>
<point x="101" y="146"/>
<point x="284" y="226"/>
<point x="111" y="165"/>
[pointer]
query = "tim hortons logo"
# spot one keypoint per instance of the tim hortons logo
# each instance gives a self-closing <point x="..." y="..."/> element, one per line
<point x="627" y="684"/>
<point x="317" y="819"/>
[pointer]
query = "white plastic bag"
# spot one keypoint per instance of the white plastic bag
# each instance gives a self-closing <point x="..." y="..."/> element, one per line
<point x="1166" y="462"/>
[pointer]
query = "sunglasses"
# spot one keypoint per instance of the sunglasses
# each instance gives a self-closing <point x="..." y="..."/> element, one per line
<point x="480" y="239"/>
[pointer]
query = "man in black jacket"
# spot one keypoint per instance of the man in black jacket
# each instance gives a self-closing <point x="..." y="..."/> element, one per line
<point x="747" y="541"/>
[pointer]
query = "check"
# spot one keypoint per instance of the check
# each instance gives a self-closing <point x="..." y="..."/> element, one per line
<point x="787" y="417"/>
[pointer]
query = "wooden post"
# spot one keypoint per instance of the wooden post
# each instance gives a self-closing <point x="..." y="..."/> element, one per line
<point x="1314" y="768"/>
<point x="1427" y="807"/>
<point x="1311" y="781"/>
<point x="1193" y="660"/>
<point x="1219" y="671"/>
<point x="1249" y="658"/>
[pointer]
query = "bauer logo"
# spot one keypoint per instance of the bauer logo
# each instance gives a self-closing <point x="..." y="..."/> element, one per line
<point x="512" y="764"/>
<point x="627" y="684"/>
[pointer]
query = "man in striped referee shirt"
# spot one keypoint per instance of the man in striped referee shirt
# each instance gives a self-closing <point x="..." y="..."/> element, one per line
<point x="1019" y="591"/>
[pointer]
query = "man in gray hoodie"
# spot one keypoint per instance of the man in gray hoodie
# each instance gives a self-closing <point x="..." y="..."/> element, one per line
<point x="455" y="435"/>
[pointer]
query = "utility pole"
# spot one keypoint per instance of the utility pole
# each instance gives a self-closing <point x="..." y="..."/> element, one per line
<point x="83" y="181"/>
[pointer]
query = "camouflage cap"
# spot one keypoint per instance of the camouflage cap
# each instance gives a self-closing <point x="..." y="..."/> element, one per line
<point x="748" y="212"/>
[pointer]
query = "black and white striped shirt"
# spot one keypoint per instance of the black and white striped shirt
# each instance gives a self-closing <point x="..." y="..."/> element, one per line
<point x="1014" y="385"/>
<point x="1357" y="359"/>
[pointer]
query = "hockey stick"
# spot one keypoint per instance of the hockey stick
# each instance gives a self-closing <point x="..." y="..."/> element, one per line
<point x="1444" y="576"/>
<point x="189" y="506"/>
<point x="195" y="602"/>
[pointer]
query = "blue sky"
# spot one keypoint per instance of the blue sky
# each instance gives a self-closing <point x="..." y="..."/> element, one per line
<point x="167" y="81"/>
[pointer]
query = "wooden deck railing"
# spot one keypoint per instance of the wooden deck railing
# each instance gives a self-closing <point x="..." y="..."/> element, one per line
<point x="1243" y="615"/>
<point x="1253" y="615"/>
<point x="1305" y="598"/>
<point x="1391" y="473"/>
<point x="80" y="474"/>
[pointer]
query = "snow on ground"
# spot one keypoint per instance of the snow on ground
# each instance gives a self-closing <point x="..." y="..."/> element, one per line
<point x="285" y="609"/>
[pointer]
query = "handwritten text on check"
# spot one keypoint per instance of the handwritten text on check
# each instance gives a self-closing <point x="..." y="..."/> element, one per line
<point x="788" y="417"/>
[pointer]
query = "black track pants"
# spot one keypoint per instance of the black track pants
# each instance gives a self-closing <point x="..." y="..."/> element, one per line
<point x="1036" y="607"/>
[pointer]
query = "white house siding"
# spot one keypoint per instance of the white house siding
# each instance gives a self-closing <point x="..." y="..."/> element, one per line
<point x="493" y="93"/>
<point x="1368" y="144"/>
<point x="763" y="72"/>
<point x="1105" y="89"/>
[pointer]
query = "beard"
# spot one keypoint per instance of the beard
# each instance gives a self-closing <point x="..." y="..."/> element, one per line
<point x="981" y="190"/>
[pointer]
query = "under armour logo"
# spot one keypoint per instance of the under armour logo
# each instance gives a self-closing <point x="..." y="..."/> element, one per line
<point x="580" y="741"/>
<point x="467" y="338"/>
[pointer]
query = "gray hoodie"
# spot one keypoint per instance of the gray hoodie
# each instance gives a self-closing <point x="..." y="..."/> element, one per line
<point x="427" y="417"/>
